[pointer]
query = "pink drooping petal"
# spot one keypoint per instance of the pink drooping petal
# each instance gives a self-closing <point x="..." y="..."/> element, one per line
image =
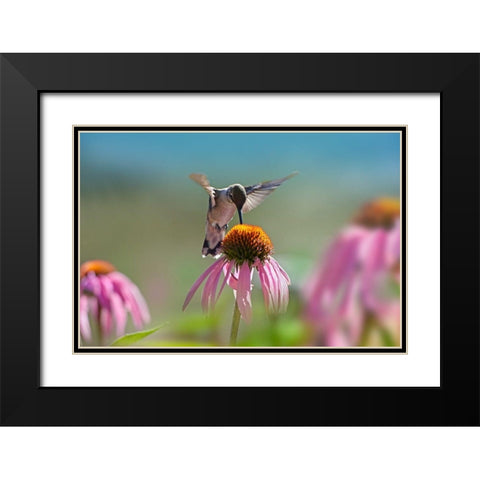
<point x="210" y="288"/>
<point x="267" y="294"/>
<point x="384" y="254"/>
<point x="140" y="301"/>
<point x="281" y="270"/>
<point x="275" y="279"/>
<point x="119" y="313"/>
<point x="282" y="284"/>
<point x="93" y="307"/>
<point x="342" y="256"/>
<point x="232" y="278"/>
<point x="372" y="257"/>
<point x="341" y="318"/>
<point x="374" y="269"/>
<point x="349" y="316"/>
<point x="199" y="281"/>
<point x="244" y="301"/>
<point x="90" y="284"/>
<point x="112" y="302"/>
<point x="341" y="259"/>
<point x="106" y="289"/>
<point x="106" y="322"/>
<point x="227" y="268"/>
<point x="121" y="285"/>
<point x="85" y="330"/>
<point x="356" y="319"/>
<point x="270" y="283"/>
<point x="392" y="247"/>
<point x="131" y="297"/>
<point x="372" y="251"/>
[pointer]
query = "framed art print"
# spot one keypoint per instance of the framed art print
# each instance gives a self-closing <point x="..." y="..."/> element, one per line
<point x="302" y="241"/>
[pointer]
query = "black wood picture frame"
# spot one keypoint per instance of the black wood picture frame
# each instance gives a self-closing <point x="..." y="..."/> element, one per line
<point x="24" y="77"/>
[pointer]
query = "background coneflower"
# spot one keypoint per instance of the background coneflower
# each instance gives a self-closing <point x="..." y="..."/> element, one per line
<point x="347" y="294"/>
<point x="107" y="296"/>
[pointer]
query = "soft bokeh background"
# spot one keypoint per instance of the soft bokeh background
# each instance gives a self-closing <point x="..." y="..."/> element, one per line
<point x="141" y="212"/>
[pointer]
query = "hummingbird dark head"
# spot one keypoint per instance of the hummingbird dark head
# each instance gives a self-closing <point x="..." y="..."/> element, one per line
<point x="237" y="195"/>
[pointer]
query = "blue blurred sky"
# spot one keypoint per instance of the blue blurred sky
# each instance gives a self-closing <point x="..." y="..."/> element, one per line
<point x="363" y="159"/>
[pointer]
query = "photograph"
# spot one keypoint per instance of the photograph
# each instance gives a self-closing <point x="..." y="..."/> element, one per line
<point x="251" y="237"/>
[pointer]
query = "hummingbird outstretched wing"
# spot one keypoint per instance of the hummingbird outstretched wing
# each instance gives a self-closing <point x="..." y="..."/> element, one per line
<point x="256" y="194"/>
<point x="202" y="180"/>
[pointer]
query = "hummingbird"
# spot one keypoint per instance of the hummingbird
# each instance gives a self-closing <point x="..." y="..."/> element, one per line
<point x="224" y="202"/>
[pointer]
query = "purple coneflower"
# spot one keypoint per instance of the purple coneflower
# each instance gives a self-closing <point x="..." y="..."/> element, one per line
<point x="348" y="289"/>
<point x="245" y="248"/>
<point x="108" y="295"/>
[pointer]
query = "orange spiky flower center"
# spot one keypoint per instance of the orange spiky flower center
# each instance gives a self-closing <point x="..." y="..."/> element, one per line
<point x="246" y="243"/>
<point x="381" y="212"/>
<point x="99" y="267"/>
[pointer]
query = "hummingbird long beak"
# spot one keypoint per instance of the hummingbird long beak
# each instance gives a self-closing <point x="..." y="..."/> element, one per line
<point x="240" y="215"/>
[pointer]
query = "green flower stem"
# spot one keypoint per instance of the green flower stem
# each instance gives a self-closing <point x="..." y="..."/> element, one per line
<point x="235" y="324"/>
